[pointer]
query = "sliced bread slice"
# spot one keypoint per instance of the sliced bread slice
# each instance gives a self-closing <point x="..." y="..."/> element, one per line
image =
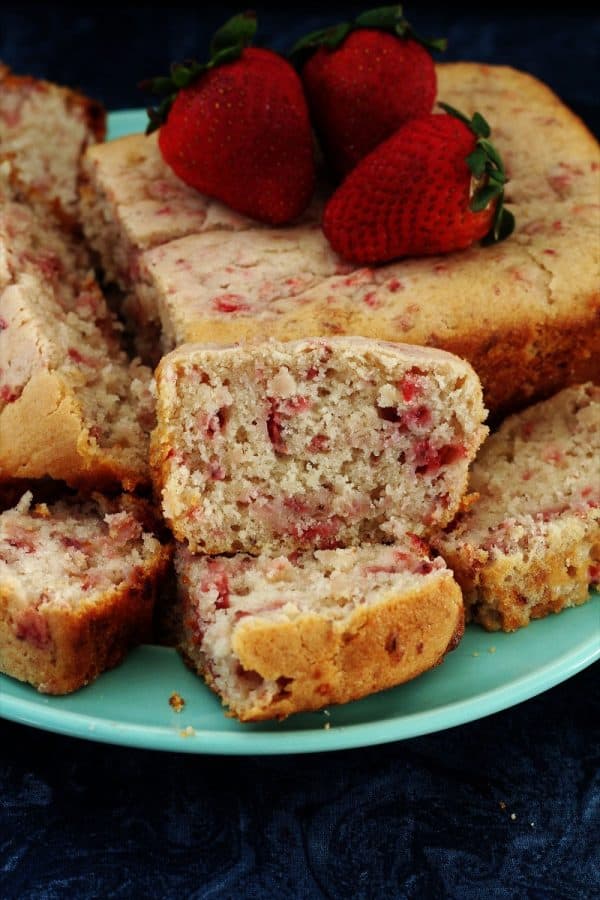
<point x="77" y="586"/>
<point x="530" y="544"/>
<point x="274" y="635"/>
<point x="317" y="443"/>
<point x="44" y="131"/>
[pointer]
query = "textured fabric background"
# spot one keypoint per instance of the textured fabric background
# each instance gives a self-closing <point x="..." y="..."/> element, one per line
<point x="506" y="807"/>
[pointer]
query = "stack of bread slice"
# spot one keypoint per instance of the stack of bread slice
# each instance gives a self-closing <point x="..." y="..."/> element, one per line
<point x="72" y="405"/>
<point x="263" y="453"/>
<point x="77" y="576"/>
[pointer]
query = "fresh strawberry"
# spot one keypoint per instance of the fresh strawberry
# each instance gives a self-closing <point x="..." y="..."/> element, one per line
<point x="237" y="128"/>
<point x="435" y="186"/>
<point x="363" y="81"/>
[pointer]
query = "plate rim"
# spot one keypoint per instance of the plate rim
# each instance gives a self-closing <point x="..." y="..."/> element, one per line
<point x="39" y="713"/>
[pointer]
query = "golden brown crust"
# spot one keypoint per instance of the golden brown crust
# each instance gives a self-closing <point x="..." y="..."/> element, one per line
<point x="82" y="643"/>
<point x="47" y="417"/>
<point x="321" y="662"/>
<point x="524" y="364"/>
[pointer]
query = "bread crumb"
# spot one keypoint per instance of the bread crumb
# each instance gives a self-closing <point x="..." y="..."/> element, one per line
<point x="513" y="816"/>
<point x="326" y="712"/>
<point x="176" y="702"/>
<point x="475" y="653"/>
<point x="327" y="726"/>
<point x="532" y="824"/>
<point x="491" y="649"/>
<point x="502" y="804"/>
<point x="24" y="503"/>
<point x="188" y="731"/>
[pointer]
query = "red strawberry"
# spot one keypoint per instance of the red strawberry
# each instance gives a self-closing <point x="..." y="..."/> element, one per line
<point x="363" y="81"/>
<point x="237" y="128"/>
<point x="435" y="186"/>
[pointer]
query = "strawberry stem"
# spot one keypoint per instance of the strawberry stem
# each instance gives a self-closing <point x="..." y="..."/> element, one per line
<point x="227" y="44"/>
<point x="384" y="18"/>
<point x="239" y="30"/>
<point x="486" y="164"/>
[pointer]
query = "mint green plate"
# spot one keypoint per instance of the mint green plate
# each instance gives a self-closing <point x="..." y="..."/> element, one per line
<point x="485" y="674"/>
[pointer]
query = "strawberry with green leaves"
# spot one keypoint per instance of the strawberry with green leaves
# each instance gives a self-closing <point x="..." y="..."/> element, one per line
<point x="435" y="186"/>
<point x="363" y="80"/>
<point x="237" y="128"/>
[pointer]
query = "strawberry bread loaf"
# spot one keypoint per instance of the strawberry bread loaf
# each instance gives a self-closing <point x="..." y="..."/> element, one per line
<point x="44" y="130"/>
<point x="274" y="635"/>
<point x="77" y="586"/>
<point x="316" y="443"/>
<point x="529" y="304"/>
<point x="530" y="544"/>
<point x="72" y="405"/>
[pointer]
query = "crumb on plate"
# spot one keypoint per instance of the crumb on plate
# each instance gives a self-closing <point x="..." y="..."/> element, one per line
<point x="176" y="702"/>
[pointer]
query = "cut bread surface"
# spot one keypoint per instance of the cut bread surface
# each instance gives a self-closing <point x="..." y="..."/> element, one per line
<point x="63" y="374"/>
<point x="274" y="635"/>
<point x="530" y="544"/>
<point x="44" y="131"/>
<point x="312" y="443"/>
<point x="77" y="587"/>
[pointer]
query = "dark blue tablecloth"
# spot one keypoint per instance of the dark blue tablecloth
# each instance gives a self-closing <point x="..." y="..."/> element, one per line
<point x="506" y="807"/>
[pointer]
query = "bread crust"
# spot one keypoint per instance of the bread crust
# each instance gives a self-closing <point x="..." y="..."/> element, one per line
<point x="82" y="643"/>
<point x="322" y="662"/>
<point x="48" y="417"/>
<point x="543" y="363"/>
